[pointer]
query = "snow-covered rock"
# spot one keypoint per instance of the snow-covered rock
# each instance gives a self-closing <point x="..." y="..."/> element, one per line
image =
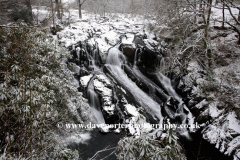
<point x="103" y="87"/>
<point x="84" y="80"/>
<point x="131" y="110"/>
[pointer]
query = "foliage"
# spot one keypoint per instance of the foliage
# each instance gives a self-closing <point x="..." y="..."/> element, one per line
<point x="37" y="91"/>
<point x="143" y="147"/>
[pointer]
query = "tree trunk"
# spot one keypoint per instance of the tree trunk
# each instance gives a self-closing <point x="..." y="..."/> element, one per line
<point x="61" y="10"/>
<point x="28" y="3"/>
<point x="195" y="11"/>
<point x="58" y="9"/>
<point x="208" y="18"/>
<point x="53" y="13"/>
<point x="209" y="52"/>
<point x="223" y="14"/>
<point x="80" y="10"/>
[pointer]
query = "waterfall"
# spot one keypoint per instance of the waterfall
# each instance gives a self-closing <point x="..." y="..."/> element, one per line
<point x="78" y="52"/>
<point x="114" y="61"/>
<point x="94" y="59"/>
<point x="166" y="82"/>
<point x="114" y="56"/>
<point x="135" y="58"/>
<point x="181" y="106"/>
<point x="162" y="65"/>
<point x="95" y="105"/>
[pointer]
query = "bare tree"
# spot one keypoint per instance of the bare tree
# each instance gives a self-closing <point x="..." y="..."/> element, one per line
<point x="223" y="13"/>
<point x="28" y="3"/>
<point x="229" y="5"/>
<point x="58" y="8"/>
<point x="80" y="3"/>
<point x="53" y="12"/>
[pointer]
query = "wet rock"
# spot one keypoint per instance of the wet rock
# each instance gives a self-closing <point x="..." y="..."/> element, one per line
<point x="129" y="51"/>
<point x="128" y="47"/>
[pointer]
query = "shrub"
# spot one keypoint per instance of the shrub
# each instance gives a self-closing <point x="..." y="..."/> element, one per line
<point x="143" y="147"/>
<point x="36" y="92"/>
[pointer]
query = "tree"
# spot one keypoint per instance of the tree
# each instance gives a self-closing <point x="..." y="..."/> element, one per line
<point x="80" y="3"/>
<point x="58" y="3"/>
<point x="229" y="6"/>
<point x="29" y="6"/>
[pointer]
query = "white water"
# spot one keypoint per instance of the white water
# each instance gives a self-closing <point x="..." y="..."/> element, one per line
<point x="166" y="82"/>
<point x="113" y="57"/>
<point x="135" y="58"/>
<point x="114" y="62"/>
<point x="95" y="106"/>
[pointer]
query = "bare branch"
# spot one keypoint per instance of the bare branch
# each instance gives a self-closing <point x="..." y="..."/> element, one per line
<point x="230" y="11"/>
<point x="102" y="151"/>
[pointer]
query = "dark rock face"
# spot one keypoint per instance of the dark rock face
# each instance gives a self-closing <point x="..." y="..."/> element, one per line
<point x="150" y="59"/>
<point x="129" y="51"/>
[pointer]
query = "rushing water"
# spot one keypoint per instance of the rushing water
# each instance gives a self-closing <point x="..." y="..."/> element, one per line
<point x="114" y="63"/>
<point x="94" y="101"/>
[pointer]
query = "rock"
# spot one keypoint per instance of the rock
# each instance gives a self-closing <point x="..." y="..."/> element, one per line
<point x="129" y="51"/>
<point x="150" y="57"/>
<point x="103" y="87"/>
<point x="204" y="117"/>
<point x="131" y="110"/>
<point x="55" y="29"/>
<point x="74" y="68"/>
<point x="128" y="47"/>
<point x="198" y="108"/>
<point x="84" y="80"/>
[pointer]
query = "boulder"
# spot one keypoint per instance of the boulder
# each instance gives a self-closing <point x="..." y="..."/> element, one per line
<point x="103" y="87"/>
<point x="129" y="51"/>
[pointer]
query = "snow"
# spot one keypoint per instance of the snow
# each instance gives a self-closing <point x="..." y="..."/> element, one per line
<point x="104" y="79"/>
<point x="201" y="104"/>
<point x="217" y="15"/>
<point x="237" y="154"/>
<point x="103" y="87"/>
<point x="131" y="110"/>
<point x="85" y="79"/>
<point x="221" y="133"/>
<point x="128" y="39"/>
<point x="110" y="37"/>
<point x="213" y="111"/>
<point x="234" y="123"/>
<point x="235" y="143"/>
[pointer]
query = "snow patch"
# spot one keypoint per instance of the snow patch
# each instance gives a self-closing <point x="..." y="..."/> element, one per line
<point x="131" y="110"/>
<point x="85" y="79"/>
